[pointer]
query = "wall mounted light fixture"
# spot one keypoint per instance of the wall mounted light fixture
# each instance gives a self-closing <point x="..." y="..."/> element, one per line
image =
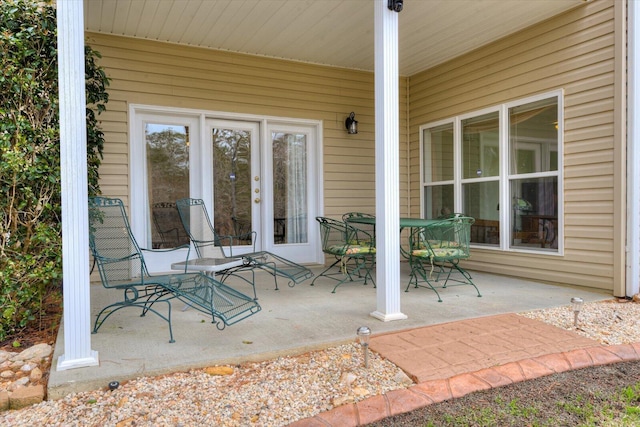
<point x="351" y="123"/>
<point x="395" y="5"/>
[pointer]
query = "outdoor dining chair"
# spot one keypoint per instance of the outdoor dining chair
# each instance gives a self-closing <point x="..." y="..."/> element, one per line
<point x="209" y="244"/>
<point x="122" y="267"/>
<point x="364" y="227"/>
<point x="354" y="258"/>
<point x="436" y="249"/>
<point x="364" y="230"/>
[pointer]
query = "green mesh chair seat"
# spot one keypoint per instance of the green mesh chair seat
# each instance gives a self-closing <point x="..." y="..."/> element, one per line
<point x="354" y="256"/>
<point x="122" y="267"/>
<point x="436" y="249"/>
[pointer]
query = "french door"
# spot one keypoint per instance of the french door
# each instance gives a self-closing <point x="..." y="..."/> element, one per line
<point x="261" y="182"/>
<point x="257" y="176"/>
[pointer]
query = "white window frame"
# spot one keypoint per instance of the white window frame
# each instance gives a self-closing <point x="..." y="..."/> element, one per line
<point x="505" y="177"/>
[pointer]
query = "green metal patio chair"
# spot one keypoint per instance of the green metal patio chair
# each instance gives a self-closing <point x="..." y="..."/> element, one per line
<point x="122" y="267"/>
<point x="364" y="226"/>
<point x="364" y="231"/>
<point x="438" y="248"/>
<point x="168" y="226"/>
<point x="353" y="257"/>
<point x="209" y="244"/>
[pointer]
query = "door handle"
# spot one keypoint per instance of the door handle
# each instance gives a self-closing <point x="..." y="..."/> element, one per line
<point x="257" y="200"/>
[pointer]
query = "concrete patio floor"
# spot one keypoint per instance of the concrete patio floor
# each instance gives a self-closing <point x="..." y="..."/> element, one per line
<point x="292" y="321"/>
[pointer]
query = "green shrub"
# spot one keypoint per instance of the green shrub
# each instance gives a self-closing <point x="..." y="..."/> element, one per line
<point x="30" y="230"/>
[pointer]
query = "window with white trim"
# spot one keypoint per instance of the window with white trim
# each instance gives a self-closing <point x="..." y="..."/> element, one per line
<point x="505" y="156"/>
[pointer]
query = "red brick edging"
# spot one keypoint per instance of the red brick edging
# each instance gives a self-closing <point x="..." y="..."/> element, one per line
<point x="426" y="393"/>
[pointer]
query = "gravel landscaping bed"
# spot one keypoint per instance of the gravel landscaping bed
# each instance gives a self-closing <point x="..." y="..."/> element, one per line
<point x="612" y="321"/>
<point x="280" y="391"/>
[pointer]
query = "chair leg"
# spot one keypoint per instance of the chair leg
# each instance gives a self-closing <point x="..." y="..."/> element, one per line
<point x="466" y="276"/>
<point x="367" y="271"/>
<point x="347" y="272"/>
<point x="270" y="267"/>
<point x="339" y="283"/>
<point x="324" y="271"/>
<point x="112" y="308"/>
<point x="417" y="268"/>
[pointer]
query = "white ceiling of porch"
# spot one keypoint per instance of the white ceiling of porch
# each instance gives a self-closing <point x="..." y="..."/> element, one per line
<point x="331" y="32"/>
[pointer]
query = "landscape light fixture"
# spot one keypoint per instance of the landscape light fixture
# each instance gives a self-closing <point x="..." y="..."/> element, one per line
<point x="363" y="336"/>
<point x="351" y="123"/>
<point x="576" y="303"/>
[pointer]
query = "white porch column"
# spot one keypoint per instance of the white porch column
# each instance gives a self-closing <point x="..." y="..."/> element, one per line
<point x="73" y="164"/>
<point x="633" y="150"/>
<point x="387" y="164"/>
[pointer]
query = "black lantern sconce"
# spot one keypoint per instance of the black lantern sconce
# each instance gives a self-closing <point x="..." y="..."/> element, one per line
<point x="351" y="123"/>
<point x="395" y="5"/>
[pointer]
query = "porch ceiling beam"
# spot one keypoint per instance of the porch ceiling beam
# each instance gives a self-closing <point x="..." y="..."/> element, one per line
<point x="73" y="165"/>
<point x="387" y="134"/>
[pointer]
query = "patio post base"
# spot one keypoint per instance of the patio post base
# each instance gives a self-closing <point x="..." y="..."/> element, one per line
<point x="388" y="317"/>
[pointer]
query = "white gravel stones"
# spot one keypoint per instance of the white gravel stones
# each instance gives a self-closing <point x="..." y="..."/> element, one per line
<point x="608" y="322"/>
<point x="280" y="391"/>
<point x="271" y="393"/>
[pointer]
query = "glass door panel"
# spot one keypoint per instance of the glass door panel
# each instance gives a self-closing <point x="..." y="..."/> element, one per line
<point x="290" y="194"/>
<point x="167" y="148"/>
<point x="232" y="183"/>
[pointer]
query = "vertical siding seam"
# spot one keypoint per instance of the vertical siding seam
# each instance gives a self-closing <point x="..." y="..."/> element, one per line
<point x="408" y="145"/>
<point x="620" y="144"/>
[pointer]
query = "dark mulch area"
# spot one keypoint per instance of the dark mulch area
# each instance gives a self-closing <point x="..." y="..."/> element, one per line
<point x="539" y="402"/>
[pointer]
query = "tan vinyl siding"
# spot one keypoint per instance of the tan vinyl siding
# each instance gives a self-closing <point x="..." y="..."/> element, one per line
<point x="161" y="74"/>
<point x="575" y="52"/>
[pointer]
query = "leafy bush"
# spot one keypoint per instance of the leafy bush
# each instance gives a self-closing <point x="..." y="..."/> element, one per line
<point x="30" y="229"/>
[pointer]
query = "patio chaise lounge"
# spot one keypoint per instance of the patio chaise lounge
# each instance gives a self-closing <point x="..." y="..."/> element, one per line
<point x="210" y="245"/>
<point x="122" y="267"/>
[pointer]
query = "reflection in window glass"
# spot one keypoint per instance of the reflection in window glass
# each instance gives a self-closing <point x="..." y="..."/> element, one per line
<point x="232" y="184"/>
<point x="438" y="153"/>
<point x="290" y="210"/>
<point x="534" y="204"/>
<point x="438" y="201"/>
<point x="481" y="201"/>
<point x="480" y="140"/>
<point x="511" y="155"/>
<point x="168" y="180"/>
<point x="533" y="148"/>
<point x="533" y="137"/>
